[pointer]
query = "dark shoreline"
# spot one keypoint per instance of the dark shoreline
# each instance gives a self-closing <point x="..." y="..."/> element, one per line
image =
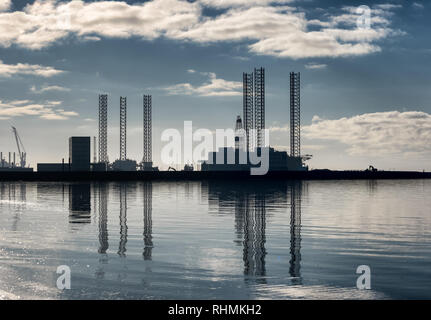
<point x="210" y="175"/>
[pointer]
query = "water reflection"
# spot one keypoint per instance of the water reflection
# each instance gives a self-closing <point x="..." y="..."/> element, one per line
<point x="248" y="201"/>
<point x="148" y="219"/>
<point x="254" y="226"/>
<point x="295" y="233"/>
<point x="102" y="190"/>
<point x="123" y="221"/>
<point x="217" y="239"/>
<point x="80" y="203"/>
<point x="251" y="202"/>
<point x="103" y="193"/>
<point x="16" y="194"/>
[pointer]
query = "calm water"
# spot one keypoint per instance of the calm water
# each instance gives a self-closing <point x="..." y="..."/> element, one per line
<point x="222" y="240"/>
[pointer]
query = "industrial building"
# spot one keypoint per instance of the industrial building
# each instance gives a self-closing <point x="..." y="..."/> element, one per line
<point x="241" y="161"/>
<point x="79" y="153"/>
<point x="250" y="140"/>
<point x="53" y="167"/>
<point x="254" y="118"/>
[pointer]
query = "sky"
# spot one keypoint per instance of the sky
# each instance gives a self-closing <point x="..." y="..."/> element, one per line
<point x="365" y="97"/>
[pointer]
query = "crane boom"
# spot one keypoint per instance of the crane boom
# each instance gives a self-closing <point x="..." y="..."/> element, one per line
<point x="19" y="144"/>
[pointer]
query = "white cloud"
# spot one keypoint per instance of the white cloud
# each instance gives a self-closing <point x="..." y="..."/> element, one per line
<point x="380" y="133"/>
<point x="418" y="5"/>
<point x="46" y="88"/>
<point x="279" y="129"/>
<point x="42" y="23"/>
<point x="47" y="110"/>
<point x="278" y="30"/>
<point x="283" y="32"/>
<point x="315" y="66"/>
<point x="7" y="70"/>
<point x="388" y="6"/>
<point x="5" y="5"/>
<point x="240" y="3"/>
<point x="213" y="87"/>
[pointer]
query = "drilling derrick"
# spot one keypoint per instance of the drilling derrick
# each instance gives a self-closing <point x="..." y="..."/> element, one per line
<point x="248" y="109"/>
<point x="123" y="128"/>
<point x="147" y="119"/>
<point x="295" y="115"/>
<point x="259" y="106"/>
<point x="103" y="128"/>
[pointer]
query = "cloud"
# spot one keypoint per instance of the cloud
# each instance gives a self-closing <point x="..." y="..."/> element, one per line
<point x="315" y="66"/>
<point x="7" y="70"/>
<point x="268" y="27"/>
<point x="46" y="88"/>
<point x="380" y="133"/>
<point x="214" y="87"/>
<point x="47" y="110"/>
<point x="279" y="129"/>
<point x="418" y="5"/>
<point x="5" y="5"/>
<point x="284" y="32"/>
<point x="388" y="6"/>
<point x="43" y="23"/>
<point x="240" y="3"/>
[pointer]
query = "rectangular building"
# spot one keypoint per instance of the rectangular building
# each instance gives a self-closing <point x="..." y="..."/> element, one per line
<point x="79" y="153"/>
<point x="52" y="167"/>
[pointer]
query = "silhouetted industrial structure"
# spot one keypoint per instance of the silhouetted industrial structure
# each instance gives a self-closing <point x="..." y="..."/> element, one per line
<point x="254" y="108"/>
<point x="295" y="114"/>
<point x="147" y="160"/>
<point x="259" y="106"/>
<point x="248" y="108"/>
<point x="250" y="141"/>
<point x="79" y="153"/>
<point x="123" y="164"/>
<point x="11" y="164"/>
<point x="103" y="128"/>
<point x="123" y="128"/>
<point x="21" y="149"/>
<point x="239" y="134"/>
<point x="94" y="150"/>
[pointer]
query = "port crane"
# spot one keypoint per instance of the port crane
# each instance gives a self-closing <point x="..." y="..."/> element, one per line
<point x="21" y="149"/>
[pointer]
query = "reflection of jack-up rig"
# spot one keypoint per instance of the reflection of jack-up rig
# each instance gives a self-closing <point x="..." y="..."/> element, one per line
<point x="148" y="222"/>
<point x="295" y="233"/>
<point x="251" y="203"/>
<point x="103" y="192"/>
<point x="123" y="221"/>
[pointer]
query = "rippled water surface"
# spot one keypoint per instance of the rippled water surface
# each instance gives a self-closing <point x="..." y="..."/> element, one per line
<point x="222" y="240"/>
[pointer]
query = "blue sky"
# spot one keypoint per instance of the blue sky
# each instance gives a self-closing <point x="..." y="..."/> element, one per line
<point x="365" y="92"/>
